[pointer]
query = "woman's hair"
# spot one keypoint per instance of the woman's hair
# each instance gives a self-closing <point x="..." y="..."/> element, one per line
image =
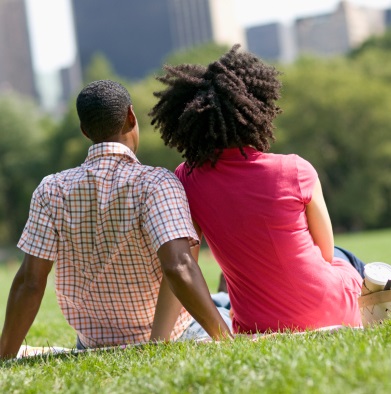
<point x="230" y="103"/>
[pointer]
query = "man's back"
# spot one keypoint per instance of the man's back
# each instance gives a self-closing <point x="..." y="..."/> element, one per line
<point x="102" y="226"/>
<point x="113" y="226"/>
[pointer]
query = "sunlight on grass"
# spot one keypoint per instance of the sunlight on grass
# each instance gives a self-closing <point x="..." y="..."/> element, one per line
<point x="346" y="361"/>
<point x="369" y="246"/>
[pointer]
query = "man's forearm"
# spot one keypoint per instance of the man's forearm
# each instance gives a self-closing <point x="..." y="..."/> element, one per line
<point x="187" y="283"/>
<point x="22" y="307"/>
<point x="166" y="314"/>
<point x="189" y="286"/>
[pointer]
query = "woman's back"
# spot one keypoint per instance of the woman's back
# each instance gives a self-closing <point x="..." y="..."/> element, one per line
<point x="252" y="213"/>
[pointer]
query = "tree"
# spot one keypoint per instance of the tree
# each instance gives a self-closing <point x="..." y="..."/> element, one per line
<point x="23" y="153"/>
<point x="381" y="43"/>
<point x="100" y="68"/>
<point x="339" y="120"/>
<point x="68" y="147"/>
<point x="201" y="54"/>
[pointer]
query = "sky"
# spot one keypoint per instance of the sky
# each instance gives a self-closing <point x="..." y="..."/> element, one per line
<point x="53" y="41"/>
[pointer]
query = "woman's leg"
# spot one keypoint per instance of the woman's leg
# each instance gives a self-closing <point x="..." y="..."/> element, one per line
<point x="79" y="345"/>
<point x="351" y="258"/>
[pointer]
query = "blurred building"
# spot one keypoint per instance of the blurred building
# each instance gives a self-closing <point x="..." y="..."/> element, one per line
<point x="271" y="42"/>
<point x="16" y="68"/>
<point x="338" y="32"/>
<point x="136" y="36"/>
<point x="58" y="86"/>
<point x="388" y="17"/>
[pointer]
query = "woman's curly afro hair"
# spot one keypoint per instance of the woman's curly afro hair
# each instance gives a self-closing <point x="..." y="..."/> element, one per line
<point x="230" y="103"/>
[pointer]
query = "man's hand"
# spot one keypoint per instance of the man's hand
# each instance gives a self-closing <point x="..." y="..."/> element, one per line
<point x="23" y="304"/>
<point x="188" y="285"/>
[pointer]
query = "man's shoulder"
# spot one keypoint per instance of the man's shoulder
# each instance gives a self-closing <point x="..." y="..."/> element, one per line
<point x="57" y="179"/>
<point x="157" y="174"/>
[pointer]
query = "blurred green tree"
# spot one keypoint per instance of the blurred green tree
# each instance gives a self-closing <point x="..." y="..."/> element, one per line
<point x="68" y="145"/>
<point x="201" y="54"/>
<point x="99" y="68"/>
<point x="339" y="120"/>
<point x="23" y="158"/>
<point x="336" y="115"/>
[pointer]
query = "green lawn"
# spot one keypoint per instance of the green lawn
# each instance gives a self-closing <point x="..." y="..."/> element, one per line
<point x="347" y="361"/>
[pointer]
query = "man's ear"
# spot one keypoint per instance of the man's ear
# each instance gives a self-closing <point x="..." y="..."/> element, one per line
<point x="132" y="117"/>
<point x="84" y="132"/>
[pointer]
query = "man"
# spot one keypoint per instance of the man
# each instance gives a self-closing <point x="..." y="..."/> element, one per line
<point x="118" y="231"/>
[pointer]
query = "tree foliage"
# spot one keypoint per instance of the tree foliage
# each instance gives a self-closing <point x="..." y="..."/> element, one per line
<point x="339" y="120"/>
<point x="336" y="115"/>
<point x="23" y="158"/>
<point x="202" y="54"/>
<point x="380" y="42"/>
<point x="68" y="146"/>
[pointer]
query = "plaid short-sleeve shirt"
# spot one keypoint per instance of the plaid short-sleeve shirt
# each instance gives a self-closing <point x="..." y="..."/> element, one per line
<point x="102" y="223"/>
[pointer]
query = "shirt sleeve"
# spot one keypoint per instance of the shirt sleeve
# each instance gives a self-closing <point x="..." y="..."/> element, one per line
<point x="39" y="237"/>
<point x="167" y="216"/>
<point x="307" y="177"/>
<point x="180" y="172"/>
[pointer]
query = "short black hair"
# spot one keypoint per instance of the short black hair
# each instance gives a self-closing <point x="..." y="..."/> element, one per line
<point x="230" y="103"/>
<point x="102" y="107"/>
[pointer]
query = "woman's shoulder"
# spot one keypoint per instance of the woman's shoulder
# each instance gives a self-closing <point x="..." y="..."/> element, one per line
<point x="289" y="159"/>
<point x="181" y="170"/>
<point x="284" y="158"/>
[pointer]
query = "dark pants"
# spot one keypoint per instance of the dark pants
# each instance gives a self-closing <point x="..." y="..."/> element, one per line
<point x="79" y="345"/>
<point x="351" y="258"/>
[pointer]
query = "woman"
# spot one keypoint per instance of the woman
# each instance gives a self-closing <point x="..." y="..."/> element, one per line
<point x="263" y="215"/>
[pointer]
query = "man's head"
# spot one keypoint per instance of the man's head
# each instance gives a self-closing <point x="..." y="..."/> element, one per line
<point x="103" y="108"/>
<point x="230" y="103"/>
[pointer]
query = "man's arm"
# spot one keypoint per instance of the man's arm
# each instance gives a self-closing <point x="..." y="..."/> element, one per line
<point x="168" y="306"/>
<point x="166" y="314"/>
<point x="23" y="304"/>
<point x="188" y="285"/>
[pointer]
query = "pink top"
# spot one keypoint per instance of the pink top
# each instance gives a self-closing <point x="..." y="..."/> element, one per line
<point x="252" y="214"/>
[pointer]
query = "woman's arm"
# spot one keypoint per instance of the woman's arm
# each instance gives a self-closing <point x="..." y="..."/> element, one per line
<point x="319" y="223"/>
<point x="195" y="252"/>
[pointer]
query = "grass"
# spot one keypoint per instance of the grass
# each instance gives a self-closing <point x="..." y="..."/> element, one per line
<point x="369" y="246"/>
<point x="346" y="361"/>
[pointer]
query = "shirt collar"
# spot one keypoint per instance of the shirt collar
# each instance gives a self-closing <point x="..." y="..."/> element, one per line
<point x="110" y="149"/>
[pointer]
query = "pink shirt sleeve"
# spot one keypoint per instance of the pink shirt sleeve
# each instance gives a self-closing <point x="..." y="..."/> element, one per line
<point x="307" y="177"/>
<point x="180" y="171"/>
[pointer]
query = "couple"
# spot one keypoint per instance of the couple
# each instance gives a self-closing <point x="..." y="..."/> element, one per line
<point x="126" y="245"/>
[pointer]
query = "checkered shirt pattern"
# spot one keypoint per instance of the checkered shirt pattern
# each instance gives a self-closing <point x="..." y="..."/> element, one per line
<point x="102" y="223"/>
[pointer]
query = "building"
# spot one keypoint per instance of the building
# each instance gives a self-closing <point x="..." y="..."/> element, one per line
<point x="272" y="42"/>
<point x="16" y="67"/>
<point x="388" y="18"/>
<point x="137" y="36"/>
<point x="338" y="32"/>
